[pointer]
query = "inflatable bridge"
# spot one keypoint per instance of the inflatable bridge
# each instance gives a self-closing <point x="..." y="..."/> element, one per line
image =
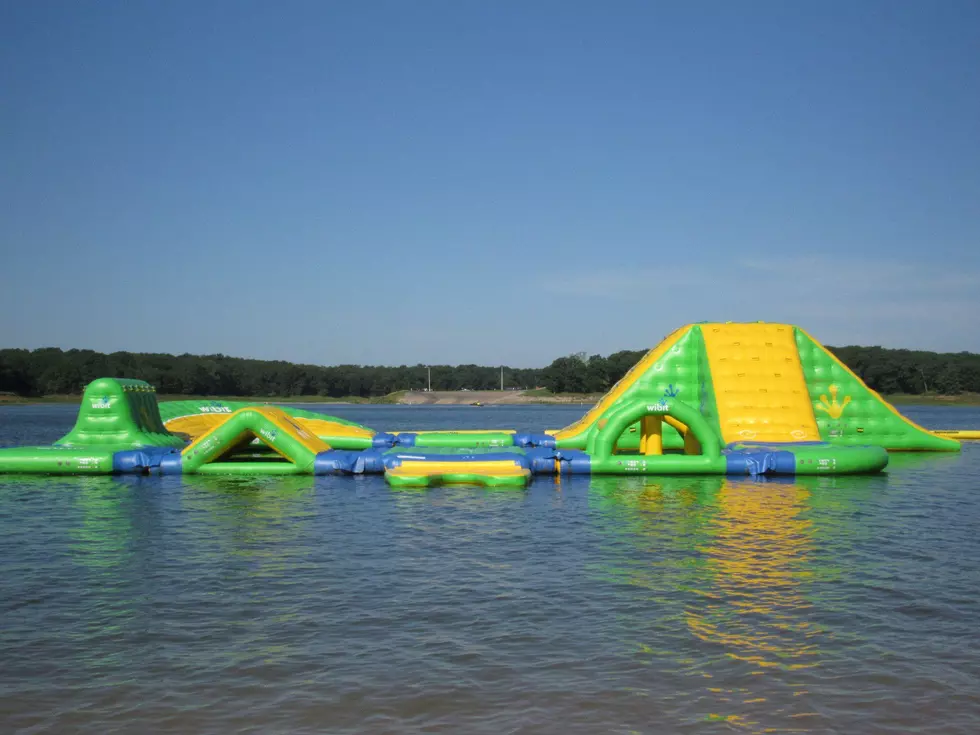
<point x="712" y="398"/>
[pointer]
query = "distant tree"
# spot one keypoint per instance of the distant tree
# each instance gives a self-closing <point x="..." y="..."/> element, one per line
<point x="52" y="370"/>
<point x="565" y="375"/>
<point x="15" y="372"/>
<point x="619" y="363"/>
<point x="597" y="374"/>
<point x="949" y="381"/>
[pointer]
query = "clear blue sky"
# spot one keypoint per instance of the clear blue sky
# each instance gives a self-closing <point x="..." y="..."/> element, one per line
<point x="452" y="181"/>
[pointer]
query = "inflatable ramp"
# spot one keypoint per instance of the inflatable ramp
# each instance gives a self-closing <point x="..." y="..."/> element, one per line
<point x="193" y="419"/>
<point x="223" y="449"/>
<point x="759" y="382"/>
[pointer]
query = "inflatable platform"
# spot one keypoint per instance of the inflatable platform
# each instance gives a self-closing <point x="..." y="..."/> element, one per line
<point x="712" y="398"/>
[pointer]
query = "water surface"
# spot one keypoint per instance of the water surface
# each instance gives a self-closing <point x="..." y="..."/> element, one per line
<point x="651" y="605"/>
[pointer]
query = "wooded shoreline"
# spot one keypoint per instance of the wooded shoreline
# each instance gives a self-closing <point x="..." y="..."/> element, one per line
<point x="462" y="398"/>
<point x="54" y="372"/>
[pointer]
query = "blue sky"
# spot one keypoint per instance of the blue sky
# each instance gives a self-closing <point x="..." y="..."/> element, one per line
<point x="452" y="181"/>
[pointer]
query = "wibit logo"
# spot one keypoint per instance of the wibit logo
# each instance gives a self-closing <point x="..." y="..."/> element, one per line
<point x="671" y="391"/>
<point x="206" y="444"/>
<point x="269" y="434"/>
<point x="832" y="408"/>
<point x="214" y="407"/>
<point x="103" y="402"/>
<point x="660" y="406"/>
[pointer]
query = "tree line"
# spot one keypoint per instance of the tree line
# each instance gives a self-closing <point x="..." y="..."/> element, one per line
<point x="52" y="371"/>
<point x="887" y="371"/>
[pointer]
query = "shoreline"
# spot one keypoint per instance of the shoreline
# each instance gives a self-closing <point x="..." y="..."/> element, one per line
<point x="460" y="398"/>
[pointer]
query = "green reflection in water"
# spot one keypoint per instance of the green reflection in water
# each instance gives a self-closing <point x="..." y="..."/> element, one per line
<point x="104" y="536"/>
<point x="99" y="512"/>
<point x="458" y="491"/>
<point x="662" y="519"/>
<point x="471" y="514"/>
<point x="932" y="461"/>
<point x="260" y="519"/>
<point x="255" y="535"/>
<point x="104" y="539"/>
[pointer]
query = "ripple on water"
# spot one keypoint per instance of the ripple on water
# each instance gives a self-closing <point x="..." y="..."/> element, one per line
<point x="193" y="605"/>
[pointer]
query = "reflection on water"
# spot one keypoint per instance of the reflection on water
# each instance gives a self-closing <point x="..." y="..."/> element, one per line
<point x="251" y="539"/>
<point x="308" y="605"/>
<point x="104" y="534"/>
<point x="756" y="564"/>
<point x="731" y="559"/>
<point x="900" y="462"/>
<point x="104" y="546"/>
<point x="752" y="602"/>
<point x="257" y="519"/>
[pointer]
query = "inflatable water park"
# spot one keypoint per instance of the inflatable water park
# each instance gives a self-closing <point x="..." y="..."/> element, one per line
<point x="710" y="399"/>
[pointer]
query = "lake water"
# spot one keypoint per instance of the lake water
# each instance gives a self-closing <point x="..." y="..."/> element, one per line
<point x="594" y="605"/>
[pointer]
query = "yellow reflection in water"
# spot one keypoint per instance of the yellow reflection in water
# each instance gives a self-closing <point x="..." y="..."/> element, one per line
<point x="752" y="604"/>
<point x="742" y="549"/>
<point x="757" y="557"/>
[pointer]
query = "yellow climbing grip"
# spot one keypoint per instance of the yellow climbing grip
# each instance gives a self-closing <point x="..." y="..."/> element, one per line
<point x="759" y="385"/>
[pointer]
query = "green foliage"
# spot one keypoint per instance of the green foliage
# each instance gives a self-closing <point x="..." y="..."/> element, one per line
<point x="576" y="374"/>
<point x="949" y="382"/>
<point x="50" y="371"/>
<point x="565" y="375"/>
<point x="886" y="371"/>
<point x="913" y="372"/>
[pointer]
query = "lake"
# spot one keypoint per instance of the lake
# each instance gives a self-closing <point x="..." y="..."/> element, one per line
<point x="585" y="605"/>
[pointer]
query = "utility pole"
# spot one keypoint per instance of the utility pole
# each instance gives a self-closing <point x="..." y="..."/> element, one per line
<point x="925" y="385"/>
<point x="501" y="377"/>
<point x="429" y="371"/>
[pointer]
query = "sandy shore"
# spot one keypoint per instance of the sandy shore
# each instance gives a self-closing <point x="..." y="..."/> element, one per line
<point x="487" y="398"/>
